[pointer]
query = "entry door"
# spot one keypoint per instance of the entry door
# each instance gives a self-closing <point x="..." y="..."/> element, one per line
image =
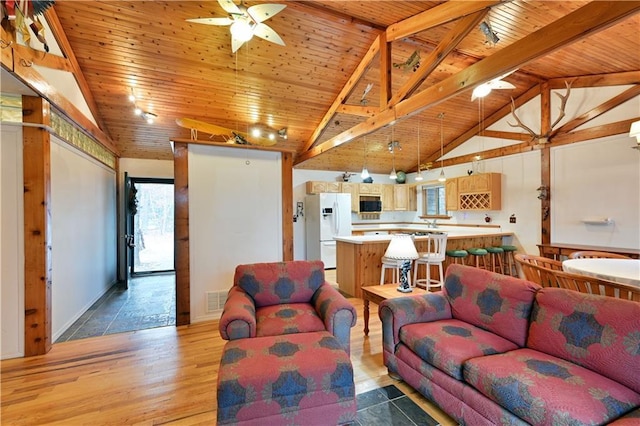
<point x="129" y="212"/>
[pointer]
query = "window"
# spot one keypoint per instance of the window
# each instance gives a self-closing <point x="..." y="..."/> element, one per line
<point x="434" y="201"/>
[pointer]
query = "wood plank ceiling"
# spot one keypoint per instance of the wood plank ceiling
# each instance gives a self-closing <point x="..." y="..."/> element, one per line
<point x="181" y="69"/>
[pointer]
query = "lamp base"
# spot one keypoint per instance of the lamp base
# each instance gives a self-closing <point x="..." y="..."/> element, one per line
<point x="402" y="289"/>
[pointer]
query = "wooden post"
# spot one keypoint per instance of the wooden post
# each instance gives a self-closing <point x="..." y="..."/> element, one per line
<point x="36" y="145"/>
<point x="181" y="237"/>
<point x="545" y="165"/>
<point x="287" y="206"/>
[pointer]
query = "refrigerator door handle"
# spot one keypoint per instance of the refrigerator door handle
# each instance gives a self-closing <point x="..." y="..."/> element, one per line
<point x="336" y="218"/>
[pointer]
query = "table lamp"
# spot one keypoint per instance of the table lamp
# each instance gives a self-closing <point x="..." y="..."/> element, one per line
<point x="401" y="247"/>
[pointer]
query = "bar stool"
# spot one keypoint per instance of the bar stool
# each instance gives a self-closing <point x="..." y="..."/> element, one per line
<point x="479" y="255"/>
<point x="509" y="260"/>
<point x="435" y="255"/>
<point x="457" y="256"/>
<point x="495" y="255"/>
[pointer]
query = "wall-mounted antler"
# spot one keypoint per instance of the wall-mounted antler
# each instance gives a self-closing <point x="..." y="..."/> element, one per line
<point x="543" y="138"/>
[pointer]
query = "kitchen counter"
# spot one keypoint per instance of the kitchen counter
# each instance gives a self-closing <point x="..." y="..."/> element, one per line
<point x="358" y="257"/>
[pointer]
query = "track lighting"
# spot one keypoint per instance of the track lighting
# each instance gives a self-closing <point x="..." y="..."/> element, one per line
<point x="147" y="116"/>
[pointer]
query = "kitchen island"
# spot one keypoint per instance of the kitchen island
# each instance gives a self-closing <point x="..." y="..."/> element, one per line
<point x="358" y="258"/>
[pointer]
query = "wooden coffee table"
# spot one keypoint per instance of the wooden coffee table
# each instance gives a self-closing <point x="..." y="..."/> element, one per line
<point x="380" y="293"/>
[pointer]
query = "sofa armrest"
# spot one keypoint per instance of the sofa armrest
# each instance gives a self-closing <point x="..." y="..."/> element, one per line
<point x="395" y="313"/>
<point x="238" y="318"/>
<point x="336" y="312"/>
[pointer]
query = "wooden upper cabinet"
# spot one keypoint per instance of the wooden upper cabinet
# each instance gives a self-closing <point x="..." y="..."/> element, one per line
<point x="371" y="188"/>
<point x="317" y="187"/>
<point x="451" y="194"/>
<point x="388" y="203"/>
<point x="353" y="189"/>
<point x="403" y="199"/>
<point x="480" y="192"/>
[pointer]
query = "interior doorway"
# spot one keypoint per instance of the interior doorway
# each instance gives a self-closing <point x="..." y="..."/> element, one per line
<point x="152" y="226"/>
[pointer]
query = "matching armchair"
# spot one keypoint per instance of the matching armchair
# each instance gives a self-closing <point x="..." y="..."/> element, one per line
<point x="270" y="299"/>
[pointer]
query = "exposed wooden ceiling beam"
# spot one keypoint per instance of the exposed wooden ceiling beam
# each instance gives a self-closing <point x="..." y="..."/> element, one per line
<point x="450" y="41"/>
<point x="610" y="129"/>
<point x="438" y="15"/>
<point x="599" y="80"/>
<point x="598" y="110"/>
<point x="362" y="111"/>
<point x="581" y="23"/>
<point x="61" y="38"/>
<point x="37" y="57"/>
<point x="345" y="92"/>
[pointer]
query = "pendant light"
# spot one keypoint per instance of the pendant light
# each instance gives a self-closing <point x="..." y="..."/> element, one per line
<point x="393" y="174"/>
<point x="365" y="173"/>
<point x="442" y="177"/>
<point x="419" y="175"/>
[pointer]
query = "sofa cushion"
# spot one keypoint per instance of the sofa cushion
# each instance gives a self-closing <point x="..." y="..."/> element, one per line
<point x="494" y="302"/>
<point x="543" y="389"/>
<point x="287" y="319"/>
<point x="447" y="344"/>
<point x="598" y="332"/>
<point x="280" y="282"/>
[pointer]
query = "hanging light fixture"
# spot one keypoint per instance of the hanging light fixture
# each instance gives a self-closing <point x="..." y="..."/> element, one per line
<point x="365" y="173"/>
<point x="442" y="177"/>
<point x="419" y="175"/>
<point x="393" y="174"/>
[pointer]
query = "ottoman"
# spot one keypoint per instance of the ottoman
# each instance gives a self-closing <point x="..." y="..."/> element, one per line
<point x="302" y="378"/>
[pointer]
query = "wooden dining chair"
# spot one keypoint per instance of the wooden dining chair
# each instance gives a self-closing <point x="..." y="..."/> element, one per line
<point x="539" y="269"/>
<point x="595" y="255"/>
<point x="591" y="285"/>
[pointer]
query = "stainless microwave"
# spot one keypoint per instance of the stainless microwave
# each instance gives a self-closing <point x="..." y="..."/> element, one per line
<point x="370" y="204"/>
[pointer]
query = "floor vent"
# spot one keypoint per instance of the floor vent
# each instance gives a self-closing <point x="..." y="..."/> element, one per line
<point x="215" y="300"/>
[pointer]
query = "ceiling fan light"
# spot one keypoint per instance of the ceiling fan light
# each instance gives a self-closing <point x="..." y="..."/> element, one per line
<point x="482" y="90"/>
<point x="241" y="30"/>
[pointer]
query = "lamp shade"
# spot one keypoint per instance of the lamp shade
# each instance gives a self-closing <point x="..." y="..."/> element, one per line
<point x="401" y="247"/>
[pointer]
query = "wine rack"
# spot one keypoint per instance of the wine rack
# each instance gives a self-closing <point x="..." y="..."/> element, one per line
<point x="475" y="201"/>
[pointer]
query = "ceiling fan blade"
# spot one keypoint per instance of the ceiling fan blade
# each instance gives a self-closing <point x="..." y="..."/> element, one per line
<point x="262" y="12"/>
<point x="235" y="44"/>
<point x="212" y="21"/>
<point x="499" y="84"/>
<point x="230" y="7"/>
<point x="265" y="32"/>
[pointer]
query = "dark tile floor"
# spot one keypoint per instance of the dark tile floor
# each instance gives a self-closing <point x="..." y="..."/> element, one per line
<point x="390" y="406"/>
<point x="149" y="302"/>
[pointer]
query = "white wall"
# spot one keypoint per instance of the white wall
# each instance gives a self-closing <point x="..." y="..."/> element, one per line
<point x="595" y="180"/>
<point x="11" y="243"/>
<point x="235" y="217"/>
<point x="83" y="222"/>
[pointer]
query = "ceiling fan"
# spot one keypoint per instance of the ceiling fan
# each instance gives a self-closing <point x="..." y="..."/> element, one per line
<point x="246" y="22"/>
<point x="482" y="90"/>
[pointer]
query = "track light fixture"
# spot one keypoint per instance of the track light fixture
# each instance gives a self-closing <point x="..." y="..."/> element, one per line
<point x="147" y="116"/>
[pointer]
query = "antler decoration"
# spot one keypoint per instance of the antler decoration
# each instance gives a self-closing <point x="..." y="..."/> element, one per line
<point x="543" y="138"/>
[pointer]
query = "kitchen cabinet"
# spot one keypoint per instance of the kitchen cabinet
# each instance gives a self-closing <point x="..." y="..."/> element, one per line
<point x="404" y="198"/>
<point x="353" y="189"/>
<point x="317" y="187"/>
<point x="387" y="198"/>
<point x="451" y="194"/>
<point x="370" y="188"/>
<point x="480" y="192"/>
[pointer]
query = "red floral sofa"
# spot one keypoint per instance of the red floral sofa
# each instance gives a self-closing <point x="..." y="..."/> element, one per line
<point x="287" y="361"/>
<point x="491" y="349"/>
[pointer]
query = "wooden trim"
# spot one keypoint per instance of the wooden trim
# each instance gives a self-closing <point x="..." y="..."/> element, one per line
<point x="287" y="206"/>
<point x="545" y="165"/>
<point x="7" y="51"/>
<point x="42" y="58"/>
<point x="385" y="71"/>
<point x="181" y="196"/>
<point x="37" y="227"/>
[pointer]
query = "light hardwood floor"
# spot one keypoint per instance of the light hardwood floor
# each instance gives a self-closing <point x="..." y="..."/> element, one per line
<point x="157" y="376"/>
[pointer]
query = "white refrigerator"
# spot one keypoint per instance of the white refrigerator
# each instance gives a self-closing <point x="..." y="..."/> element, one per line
<point x="326" y="215"/>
